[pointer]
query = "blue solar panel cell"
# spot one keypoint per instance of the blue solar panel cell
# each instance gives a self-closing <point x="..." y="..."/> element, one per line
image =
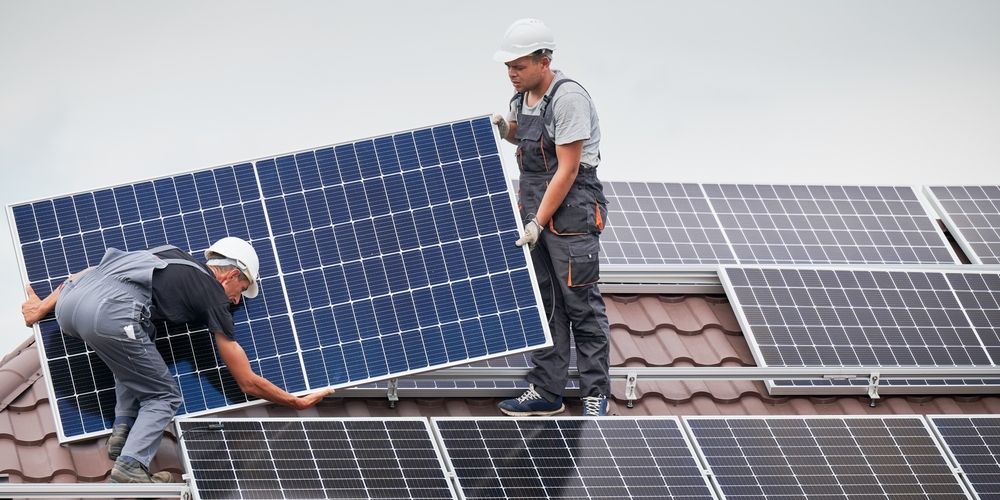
<point x="378" y="258"/>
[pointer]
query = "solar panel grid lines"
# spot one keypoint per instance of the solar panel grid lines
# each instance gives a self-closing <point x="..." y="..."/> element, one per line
<point x="824" y="457"/>
<point x="567" y="457"/>
<point x="972" y="215"/>
<point x="188" y="210"/>
<point x="312" y="458"/>
<point x="354" y="286"/>
<point x="651" y="223"/>
<point x="973" y="443"/>
<point x="827" y="224"/>
<point x="868" y="316"/>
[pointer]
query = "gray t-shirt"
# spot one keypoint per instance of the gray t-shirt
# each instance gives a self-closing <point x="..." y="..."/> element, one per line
<point x="571" y="117"/>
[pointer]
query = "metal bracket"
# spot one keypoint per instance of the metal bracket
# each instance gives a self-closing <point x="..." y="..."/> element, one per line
<point x="392" y="392"/>
<point x="631" y="381"/>
<point x="873" y="389"/>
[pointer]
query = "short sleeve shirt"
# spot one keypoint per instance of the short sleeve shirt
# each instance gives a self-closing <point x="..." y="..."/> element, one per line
<point x="183" y="294"/>
<point x="572" y="117"/>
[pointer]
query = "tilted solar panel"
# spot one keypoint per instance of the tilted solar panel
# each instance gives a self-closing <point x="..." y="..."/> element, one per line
<point x="847" y="317"/>
<point x="379" y="257"/>
<point x="608" y="458"/>
<point x="973" y="441"/>
<point x="824" y="457"/>
<point x="972" y="214"/>
<point x="312" y="458"/>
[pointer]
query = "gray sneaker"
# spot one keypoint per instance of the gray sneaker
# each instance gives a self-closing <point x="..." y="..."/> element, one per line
<point x="117" y="440"/>
<point x="129" y="470"/>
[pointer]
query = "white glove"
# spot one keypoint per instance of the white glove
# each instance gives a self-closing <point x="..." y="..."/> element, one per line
<point x="502" y="126"/>
<point x="531" y="232"/>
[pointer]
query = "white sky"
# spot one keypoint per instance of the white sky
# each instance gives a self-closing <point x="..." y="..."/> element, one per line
<point x="787" y="91"/>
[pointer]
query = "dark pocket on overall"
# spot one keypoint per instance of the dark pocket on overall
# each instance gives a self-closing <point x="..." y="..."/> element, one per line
<point x="584" y="265"/>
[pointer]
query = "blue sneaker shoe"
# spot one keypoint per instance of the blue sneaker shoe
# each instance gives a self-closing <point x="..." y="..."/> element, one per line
<point x="531" y="404"/>
<point x="595" y="406"/>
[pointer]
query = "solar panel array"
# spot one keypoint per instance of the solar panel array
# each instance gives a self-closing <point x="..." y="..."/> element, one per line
<point x="804" y="316"/>
<point x="379" y="258"/>
<point x="974" y="442"/>
<point x="608" y="458"/>
<point x="972" y="214"/>
<point x="657" y="224"/>
<point x="312" y="458"/>
<point x="824" y="457"/>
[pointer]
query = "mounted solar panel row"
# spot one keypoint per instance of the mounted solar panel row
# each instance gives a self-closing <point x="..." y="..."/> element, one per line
<point x="849" y="317"/>
<point x="379" y="258"/>
<point x="608" y="458"/>
<point x="972" y="214"/>
<point x="662" y="224"/>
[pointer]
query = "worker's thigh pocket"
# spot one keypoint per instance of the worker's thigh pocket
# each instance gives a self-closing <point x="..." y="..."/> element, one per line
<point x="584" y="265"/>
<point x="119" y="318"/>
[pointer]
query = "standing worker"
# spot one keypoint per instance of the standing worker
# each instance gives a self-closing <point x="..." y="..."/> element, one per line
<point x="111" y="307"/>
<point x="554" y="124"/>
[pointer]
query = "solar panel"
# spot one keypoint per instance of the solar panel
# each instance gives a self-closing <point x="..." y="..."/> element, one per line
<point x="379" y="258"/>
<point x="973" y="441"/>
<point x="972" y="214"/>
<point x="824" y="457"/>
<point x="782" y="224"/>
<point x="652" y="223"/>
<point x="846" y="317"/>
<point x="312" y="458"/>
<point x="571" y="458"/>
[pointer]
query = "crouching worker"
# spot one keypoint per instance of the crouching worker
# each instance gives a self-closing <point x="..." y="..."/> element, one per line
<point x="112" y="307"/>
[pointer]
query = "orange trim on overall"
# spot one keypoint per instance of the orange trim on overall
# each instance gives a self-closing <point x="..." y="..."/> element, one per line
<point x="598" y="220"/>
<point x="569" y="273"/>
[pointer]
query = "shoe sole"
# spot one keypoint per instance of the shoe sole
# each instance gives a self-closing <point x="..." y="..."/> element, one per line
<point x="534" y="413"/>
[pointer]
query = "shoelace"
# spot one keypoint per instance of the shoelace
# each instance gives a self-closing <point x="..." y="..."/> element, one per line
<point x="592" y="406"/>
<point x="528" y="395"/>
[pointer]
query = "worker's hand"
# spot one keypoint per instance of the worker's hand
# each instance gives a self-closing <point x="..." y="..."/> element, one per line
<point x="502" y="125"/>
<point x="531" y="232"/>
<point x="31" y="309"/>
<point x="310" y="400"/>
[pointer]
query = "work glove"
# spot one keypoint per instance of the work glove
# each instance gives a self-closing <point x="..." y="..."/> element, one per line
<point x="530" y="237"/>
<point x="502" y="126"/>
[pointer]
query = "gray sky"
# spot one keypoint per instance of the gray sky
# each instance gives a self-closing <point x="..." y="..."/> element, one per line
<point x="838" y="92"/>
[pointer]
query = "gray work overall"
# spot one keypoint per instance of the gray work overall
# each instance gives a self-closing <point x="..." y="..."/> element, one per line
<point x="109" y="309"/>
<point x="565" y="260"/>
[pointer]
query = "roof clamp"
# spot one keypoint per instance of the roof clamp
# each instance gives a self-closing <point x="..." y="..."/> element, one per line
<point x="631" y="381"/>
<point x="392" y="392"/>
<point x="873" y="379"/>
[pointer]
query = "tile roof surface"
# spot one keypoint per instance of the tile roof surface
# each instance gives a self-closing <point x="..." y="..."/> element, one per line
<point x="646" y="330"/>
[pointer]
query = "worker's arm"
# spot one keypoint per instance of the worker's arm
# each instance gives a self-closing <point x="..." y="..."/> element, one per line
<point x="35" y="309"/>
<point x="255" y="385"/>
<point x="568" y="156"/>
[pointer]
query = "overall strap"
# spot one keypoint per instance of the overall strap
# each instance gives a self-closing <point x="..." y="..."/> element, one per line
<point x="185" y="262"/>
<point x="548" y="97"/>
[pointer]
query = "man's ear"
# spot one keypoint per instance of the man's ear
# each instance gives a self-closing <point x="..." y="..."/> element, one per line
<point x="233" y="273"/>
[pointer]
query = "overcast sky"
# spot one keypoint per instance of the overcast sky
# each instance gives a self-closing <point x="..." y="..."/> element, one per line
<point x="101" y="93"/>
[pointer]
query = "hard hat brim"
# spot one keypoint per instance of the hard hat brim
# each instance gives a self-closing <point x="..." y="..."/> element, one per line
<point x="251" y="290"/>
<point x="502" y="56"/>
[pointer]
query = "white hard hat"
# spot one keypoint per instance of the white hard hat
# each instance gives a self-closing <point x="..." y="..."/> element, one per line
<point x="245" y="256"/>
<point x="524" y="37"/>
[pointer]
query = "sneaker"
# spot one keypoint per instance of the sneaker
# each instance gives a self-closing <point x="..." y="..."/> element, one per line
<point x="531" y="404"/>
<point x="117" y="440"/>
<point x="595" y="406"/>
<point x="129" y="470"/>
